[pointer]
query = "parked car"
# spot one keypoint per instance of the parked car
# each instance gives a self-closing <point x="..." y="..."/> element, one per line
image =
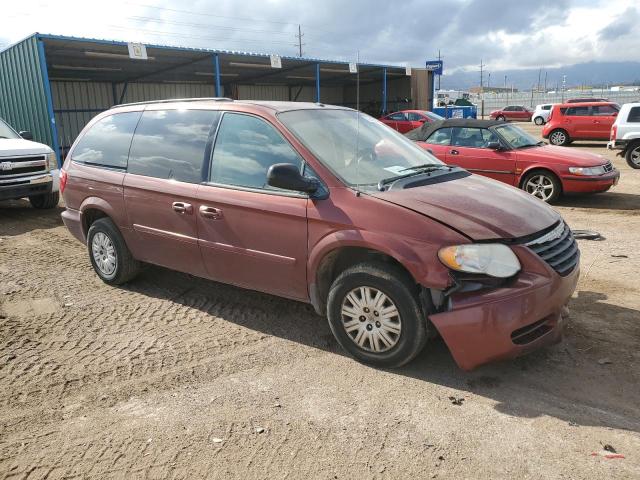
<point x="323" y="205"/>
<point x="580" y="121"/>
<point x="625" y="134"/>
<point x="541" y="113"/>
<point x="27" y="169"/>
<point x="407" y="120"/>
<point x="507" y="153"/>
<point x="586" y="99"/>
<point x="512" y="112"/>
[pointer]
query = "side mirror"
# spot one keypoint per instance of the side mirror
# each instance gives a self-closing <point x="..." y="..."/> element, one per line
<point x="26" y="135"/>
<point x="494" y="146"/>
<point x="288" y="177"/>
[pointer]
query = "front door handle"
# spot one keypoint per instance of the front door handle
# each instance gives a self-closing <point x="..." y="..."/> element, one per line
<point x="454" y="152"/>
<point x="210" y="212"/>
<point x="182" y="207"/>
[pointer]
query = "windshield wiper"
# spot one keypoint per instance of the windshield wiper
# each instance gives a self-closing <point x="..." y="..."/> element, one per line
<point x="417" y="170"/>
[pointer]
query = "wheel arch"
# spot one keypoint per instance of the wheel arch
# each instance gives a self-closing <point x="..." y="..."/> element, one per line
<point x="93" y="208"/>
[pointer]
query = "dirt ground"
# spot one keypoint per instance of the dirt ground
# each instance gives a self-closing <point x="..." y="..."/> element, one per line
<point x="177" y="377"/>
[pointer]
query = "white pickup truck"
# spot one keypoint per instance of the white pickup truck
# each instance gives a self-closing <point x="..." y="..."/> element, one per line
<point x="27" y="169"/>
<point x="625" y="133"/>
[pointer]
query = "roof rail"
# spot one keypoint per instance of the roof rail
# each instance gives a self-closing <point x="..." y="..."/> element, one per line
<point x="176" y="100"/>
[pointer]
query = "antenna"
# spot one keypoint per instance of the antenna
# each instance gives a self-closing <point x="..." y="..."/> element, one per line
<point x="357" y="123"/>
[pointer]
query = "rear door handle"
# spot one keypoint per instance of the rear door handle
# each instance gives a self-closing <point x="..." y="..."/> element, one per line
<point x="454" y="152"/>
<point x="182" y="207"/>
<point x="210" y="212"/>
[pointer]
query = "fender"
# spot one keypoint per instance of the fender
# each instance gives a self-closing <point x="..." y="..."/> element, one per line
<point x="98" y="203"/>
<point x="402" y="250"/>
<point x="536" y="167"/>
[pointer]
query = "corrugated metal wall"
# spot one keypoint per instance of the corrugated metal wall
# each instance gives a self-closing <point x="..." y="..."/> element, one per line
<point x="307" y="93"/>
<point x="75" y="103"/>
<point x="22" y="95"/>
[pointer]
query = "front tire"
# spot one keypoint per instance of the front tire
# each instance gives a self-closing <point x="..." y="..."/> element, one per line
<point x="543" y="185"/>
<point x="374" y="314"/>
<point x="633" y="155"/>
<point x="500" y="118"/>
<point x="559" y="137"/>
<point x="109" y="254"/>
<point x="45" y="201"/>
<point x="538" y="121"/>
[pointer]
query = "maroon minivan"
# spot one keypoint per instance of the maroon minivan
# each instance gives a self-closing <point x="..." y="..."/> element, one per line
<point x="323" y="205"/>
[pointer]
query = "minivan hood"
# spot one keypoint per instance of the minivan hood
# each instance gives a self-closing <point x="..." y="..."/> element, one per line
<point x="10" y="147"/>
<point x="480" y="208"/>
<point x="568" y="156"/>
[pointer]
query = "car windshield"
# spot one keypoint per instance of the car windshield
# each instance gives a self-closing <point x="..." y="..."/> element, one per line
<point x="432" y="116"/>
<point x="359" y="149"/>
<point x="516" y="137"/>
<point x="6" y="131"/>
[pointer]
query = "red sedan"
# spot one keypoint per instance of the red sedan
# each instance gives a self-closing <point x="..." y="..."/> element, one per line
<point x="512" y="112"/>
<point x="507" y="153"/>
<point x="407" y="120"/>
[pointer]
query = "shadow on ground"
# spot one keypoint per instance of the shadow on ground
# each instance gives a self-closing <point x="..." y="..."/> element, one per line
<point x="18" y="217"/>
<point x="563" y="381"/>
<point x="602" y="201"/>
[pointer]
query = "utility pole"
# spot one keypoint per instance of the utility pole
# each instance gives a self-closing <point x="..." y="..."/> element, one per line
<point x="299" y="37"/>
<point x="545" y="82"/>
<point x="489" y="81"/>
<point x="539" y="74"/>
<point x="481" y="90"/>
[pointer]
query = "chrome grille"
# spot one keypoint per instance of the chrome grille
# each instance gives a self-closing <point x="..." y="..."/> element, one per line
<point x="558" y="248"/>
<point x="11" y="167"/>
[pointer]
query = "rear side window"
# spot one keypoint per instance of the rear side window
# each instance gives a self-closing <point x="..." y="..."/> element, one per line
<point x="634" y="115"/>
<point x="171" y="144"/>
<point x="414" y="117"/>
<point x="440" y="137"/>
<point x="245" y="148"/>
<point x="546" y="107"/>
<point x="578" y="111"/>
<point x="107" y="141"/>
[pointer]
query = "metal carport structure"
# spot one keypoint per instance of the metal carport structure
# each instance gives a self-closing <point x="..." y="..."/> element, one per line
<point x="53" y="85"/>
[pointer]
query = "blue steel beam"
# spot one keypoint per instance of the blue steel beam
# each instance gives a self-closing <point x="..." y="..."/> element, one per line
<point x="216" y="63"/>
<point x="49" y="98"/>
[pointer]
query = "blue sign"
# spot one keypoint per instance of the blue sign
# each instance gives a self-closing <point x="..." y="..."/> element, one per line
<point x="435" y="66"/>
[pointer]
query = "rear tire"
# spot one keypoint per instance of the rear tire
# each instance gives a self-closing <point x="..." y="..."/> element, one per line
<point x="109" y="254"/>
<point x="632" y="155"/>
<point x="374" y="314"/>
<point x="542" y="184"/>
<point x="559" y="137"/>
<point x="538" y="121"/>
<point x="45" y="201"/>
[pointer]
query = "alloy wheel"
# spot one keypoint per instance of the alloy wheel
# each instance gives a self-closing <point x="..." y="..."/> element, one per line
<point x="104" y="254"/>
<point x="558" y="138"/>
<point x="635" y="156"/>
<point x="371" y="319"/>
<point x="540" y="186"/>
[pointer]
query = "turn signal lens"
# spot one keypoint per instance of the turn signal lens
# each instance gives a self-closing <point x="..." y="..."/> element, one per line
<point x="493" y="259"/>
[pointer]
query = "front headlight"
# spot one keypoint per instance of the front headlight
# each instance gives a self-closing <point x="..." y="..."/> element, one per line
<point x="52" y="161"/>
<point x="587" y="171"/>
<point x="492" y="259"/>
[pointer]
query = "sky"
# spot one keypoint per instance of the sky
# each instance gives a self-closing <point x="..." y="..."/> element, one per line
<point x="503" y="34"/>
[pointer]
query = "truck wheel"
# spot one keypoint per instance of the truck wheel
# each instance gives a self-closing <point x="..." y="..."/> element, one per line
<point x="633" y="155"/>
<point x="109" y="254"/>
<point x="374" y="313"/>
<point x="559" y="137"/>
<point x="538" y="121"/>
<point x="543" y="185"/>
<point x="48" y="200"/>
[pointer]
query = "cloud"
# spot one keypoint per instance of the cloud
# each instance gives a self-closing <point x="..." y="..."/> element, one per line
<point x="625" y="24"/>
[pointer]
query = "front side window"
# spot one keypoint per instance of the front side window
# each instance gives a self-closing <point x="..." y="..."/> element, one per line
<point x="508" y="109"/>
<point x="171" y="144"/>
<point x="603" y="110"/>
<point x="6" y="131"/>
<point x="397" y="117"/>
<point x="415" y="117"/>
<point x="434" y="117"/>
<point x="107" y="141"/>
<point x="359" y="149"/>
<point x="515" y="136"/>
<point x="440" y="137"/>
<point x="245" y="148"/>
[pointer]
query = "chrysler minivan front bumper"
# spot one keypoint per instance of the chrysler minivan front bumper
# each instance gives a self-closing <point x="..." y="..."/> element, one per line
<point x="485" y="326"/>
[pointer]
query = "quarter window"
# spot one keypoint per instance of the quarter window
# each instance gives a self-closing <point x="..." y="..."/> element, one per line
<point x="107" y="142"/>
<point x="171" y="144"/>
<point x="440" y="137"/>
<point x="546" y="107"/>
<point x="634" y="115"/>
<point x="245" y="149"/>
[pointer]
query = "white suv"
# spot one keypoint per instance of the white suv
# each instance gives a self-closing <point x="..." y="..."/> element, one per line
<point x="541" y="113"/>
<point x="27" y="169"/>
<point x="625" y="133"/>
